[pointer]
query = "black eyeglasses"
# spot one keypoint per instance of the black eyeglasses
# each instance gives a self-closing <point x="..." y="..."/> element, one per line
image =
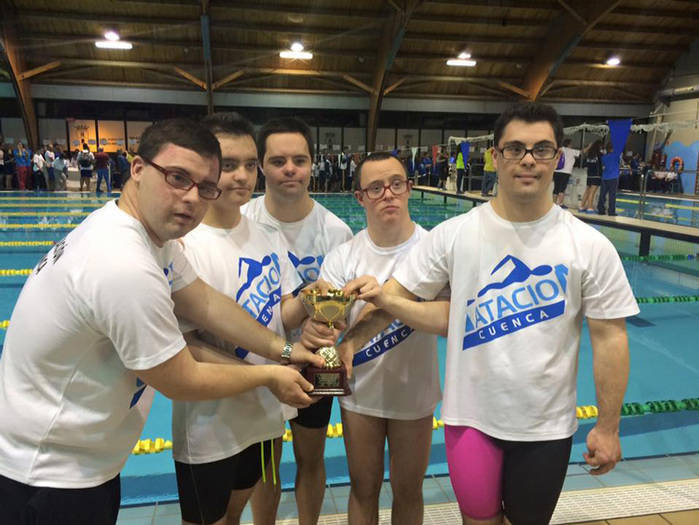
<point x="181" y="180"/>
<point x="538" y="152"/>
<point x="377" y="189"/>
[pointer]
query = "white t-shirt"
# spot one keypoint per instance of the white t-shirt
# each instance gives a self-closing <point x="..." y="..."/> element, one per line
<point x="396" y="374"/>
<point x="250" y="265"/>
<point x="308" y="240"/>
<point x="49" y="156"/>
<point x="569" y="160"/>
<point x="96" y="309"/>
<point x="519" y="292"/>
<point x="38" y="162"/>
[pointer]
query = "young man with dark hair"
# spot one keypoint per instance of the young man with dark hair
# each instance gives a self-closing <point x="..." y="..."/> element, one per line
<point x="86" y="161"/>
<point x="310" y="230"/>
<point x="523" y="273"/>
<point x="395" y="383"/>
<point x="76" y="389"/>
<point x="561" y="175"/>
<point x="217" y="445"/>
<point x="102" y="169"/>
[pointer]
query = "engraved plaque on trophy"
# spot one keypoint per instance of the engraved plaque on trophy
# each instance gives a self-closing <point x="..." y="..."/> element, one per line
<point x="327" y="307"/>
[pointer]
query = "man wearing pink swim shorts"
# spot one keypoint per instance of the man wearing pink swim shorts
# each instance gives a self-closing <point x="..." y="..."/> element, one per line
<point x="523" y="273"/>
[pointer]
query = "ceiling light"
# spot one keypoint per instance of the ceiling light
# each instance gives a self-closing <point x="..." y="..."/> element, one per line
<point x="111" y="35"/>
<point x="299" y="55"/>
<point x="461" y="62"/>
<point x="117" y="44"/>
<point x="613" y="61"/>
<point x="296" y="52"/>
<point x="464" y="55"/>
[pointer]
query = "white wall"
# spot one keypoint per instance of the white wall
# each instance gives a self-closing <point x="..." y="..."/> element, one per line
<point x="13" y="130"/>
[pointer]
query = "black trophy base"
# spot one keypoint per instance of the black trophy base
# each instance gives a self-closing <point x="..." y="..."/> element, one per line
<point x="327" y="381"/>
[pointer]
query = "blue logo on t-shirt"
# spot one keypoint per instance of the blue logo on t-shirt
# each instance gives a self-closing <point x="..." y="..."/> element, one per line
<point x="141" y="388"/>
<point x="395" y="334"/>
<point x="261" y="289"/>
<point x="169" y="270"/>
<point x="308" y="267"/>
<point x="526" y="296"/>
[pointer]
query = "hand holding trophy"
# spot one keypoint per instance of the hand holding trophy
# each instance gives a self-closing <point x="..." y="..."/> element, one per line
<point x="328" y="307"/>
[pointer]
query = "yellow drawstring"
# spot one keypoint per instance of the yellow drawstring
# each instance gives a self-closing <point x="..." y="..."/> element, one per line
<point x="262" y="461"/>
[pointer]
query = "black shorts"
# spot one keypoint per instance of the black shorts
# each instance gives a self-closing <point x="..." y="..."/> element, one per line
<point x="317" y="415"/>
<point x="25" y="504"/>
<point x="594" y="181"/>
<point x="85" y="174"/>
<point x="560" y="181"/>
<point x="527" y="502"/>
<point x="205" y="488"/>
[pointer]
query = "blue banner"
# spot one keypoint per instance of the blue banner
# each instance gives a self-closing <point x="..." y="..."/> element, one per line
<point x="513" y="323"/>
<point x="619" y="132"/>
<point x="465" y="149"/>
<point x="378" y="348"/>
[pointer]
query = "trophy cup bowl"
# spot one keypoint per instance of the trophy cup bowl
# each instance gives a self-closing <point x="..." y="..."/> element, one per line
<point x="327" y="307"/>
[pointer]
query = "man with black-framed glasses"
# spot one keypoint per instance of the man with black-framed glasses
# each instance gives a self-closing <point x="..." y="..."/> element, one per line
<point x="395" y="382"/>
<point x="77" y="387"/>
<point x="523" y="273"/>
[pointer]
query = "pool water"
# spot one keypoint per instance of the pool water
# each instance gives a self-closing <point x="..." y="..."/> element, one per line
<point x="662" y="338"/>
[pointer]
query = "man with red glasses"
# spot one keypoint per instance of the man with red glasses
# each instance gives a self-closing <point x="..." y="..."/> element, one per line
<point x="395" y="382"/>
<point x="76" y="388"/>
<point x="523" y="273"/>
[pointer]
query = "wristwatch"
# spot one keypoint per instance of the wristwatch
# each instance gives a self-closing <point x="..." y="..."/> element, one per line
<point x="286" y="353"/>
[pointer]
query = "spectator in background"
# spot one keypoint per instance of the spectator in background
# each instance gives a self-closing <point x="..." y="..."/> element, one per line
<point x="610" y="181"/>
<point x="23" y="162"/>
<point x="427" y="165"/>
<point x="123" y="166"/>
<point x="49" y="157"/>
<point x="85" y="163"/>
<point x="562" y="174"/>
<point x="10" y="170"/>
<point x="60" y="170"/>
<point x="460" y="172"/>
<point x="442" y="167"/>
<point x="38" y="167"/>
<point x="352" y="169"/>
<point x="593" y="163"/>
<point x="2" y="162"/>
<point x="102" y="168"/>
<point x="490" y="177"/>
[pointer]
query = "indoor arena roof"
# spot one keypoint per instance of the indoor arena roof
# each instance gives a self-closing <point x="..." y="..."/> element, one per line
<point x="553" y="50"/>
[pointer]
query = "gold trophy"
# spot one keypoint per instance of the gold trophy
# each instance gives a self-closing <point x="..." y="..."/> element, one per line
<point x="327" y="307"/>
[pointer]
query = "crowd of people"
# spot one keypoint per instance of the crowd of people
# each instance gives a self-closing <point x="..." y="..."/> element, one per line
<point x="197" y="296"/>
<point x="47" y="168"/>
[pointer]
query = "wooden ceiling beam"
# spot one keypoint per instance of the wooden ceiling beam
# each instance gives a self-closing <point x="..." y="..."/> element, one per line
<point x="512" y="88"/>
<point x="9" y="47"/>
<point x="390" y="40"/>
<point x="313" y="10"/>
<point x="563" y="35"/>
<point x="657" y="13"/>
<point x="206" y="55"/>
<point x="39" y="70"/>
<point x="70" y="16"/>
<point x="228" y="79"/>
<point x="194" y="80"/>
<point x="121" y="63"/>
<point x="73" y="39"/>
<point x="355" y="82"/>
<point x="394" y="86"/>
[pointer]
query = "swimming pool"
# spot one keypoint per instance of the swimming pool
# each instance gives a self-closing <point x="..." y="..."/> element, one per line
<point x="664" y="360"/>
